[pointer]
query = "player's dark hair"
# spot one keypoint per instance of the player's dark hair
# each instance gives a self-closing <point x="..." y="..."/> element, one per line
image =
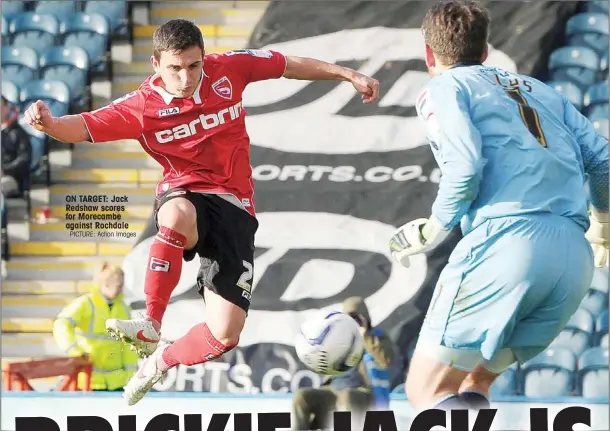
<point x="176" y="35"/>
<point x="457" y="31"/>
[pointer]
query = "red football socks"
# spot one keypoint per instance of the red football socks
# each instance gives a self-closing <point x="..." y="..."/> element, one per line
<point x="196" y="347"/>
<point x="163" y="272"/>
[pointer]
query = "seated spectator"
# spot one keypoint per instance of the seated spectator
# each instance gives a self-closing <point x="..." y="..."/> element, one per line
<point x="80" y="330"/>
<point x="364" y="387"/>
<point x="16" y="152"/>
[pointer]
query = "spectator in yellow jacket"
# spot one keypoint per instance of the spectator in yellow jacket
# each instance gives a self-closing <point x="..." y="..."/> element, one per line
<point x="80" y="330"/>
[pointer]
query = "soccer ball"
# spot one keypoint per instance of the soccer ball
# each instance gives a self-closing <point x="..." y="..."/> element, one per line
<point x="330" y="344"/>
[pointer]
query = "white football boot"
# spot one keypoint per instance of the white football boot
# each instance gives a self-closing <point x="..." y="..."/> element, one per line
<point x="145" y="378"/>
<point x="140" y="334"/>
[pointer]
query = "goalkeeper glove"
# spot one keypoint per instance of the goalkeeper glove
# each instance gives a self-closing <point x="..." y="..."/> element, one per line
<point x="417" y="236"/>
<point x="597" y="235"/>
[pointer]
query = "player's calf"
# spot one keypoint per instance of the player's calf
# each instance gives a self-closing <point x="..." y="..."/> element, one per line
<point x="177" y="220"/>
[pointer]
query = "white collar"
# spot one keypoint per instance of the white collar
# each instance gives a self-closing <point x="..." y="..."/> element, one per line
<point x="167" y="98"/>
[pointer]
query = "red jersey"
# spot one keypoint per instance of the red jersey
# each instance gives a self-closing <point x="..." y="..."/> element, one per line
<point x="201" y="141"/>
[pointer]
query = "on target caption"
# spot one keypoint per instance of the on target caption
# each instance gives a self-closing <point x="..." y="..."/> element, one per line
<point x="97" y="216"/>
<point x="456" y="420"/>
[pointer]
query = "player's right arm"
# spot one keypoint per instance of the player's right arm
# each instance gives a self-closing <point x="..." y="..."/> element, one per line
<point x="594" y="151"/>
<point x="122" y="119"/>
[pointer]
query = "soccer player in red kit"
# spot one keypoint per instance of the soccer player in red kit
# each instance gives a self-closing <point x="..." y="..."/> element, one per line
<point x="189" y="117"/>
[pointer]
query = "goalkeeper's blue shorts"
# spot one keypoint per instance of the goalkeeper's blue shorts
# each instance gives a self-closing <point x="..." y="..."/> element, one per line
<point x="511" y="285"/>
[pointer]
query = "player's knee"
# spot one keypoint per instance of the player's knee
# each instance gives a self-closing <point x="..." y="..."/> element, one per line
<point x="225" y="337"/>
<point x="180" y="215"/>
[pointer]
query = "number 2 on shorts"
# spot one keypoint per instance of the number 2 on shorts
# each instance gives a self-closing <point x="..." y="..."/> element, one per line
<point x="246" y="277"/>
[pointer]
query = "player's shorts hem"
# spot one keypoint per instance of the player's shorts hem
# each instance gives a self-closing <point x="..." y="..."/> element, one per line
<point x="467" y="359"/>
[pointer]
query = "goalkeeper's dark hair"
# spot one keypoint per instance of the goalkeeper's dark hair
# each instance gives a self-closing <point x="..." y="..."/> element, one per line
<point x="176" y="35"/>
<point x="457" y="31"/>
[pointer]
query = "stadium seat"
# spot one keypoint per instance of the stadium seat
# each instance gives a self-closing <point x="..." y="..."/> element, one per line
<point x="550" y="374"/>
<point x="602" y="126"/>
<point x="115" y="11"/>
<point x="603" y="64"/>
<point x="577" y="334"/>
<point x="569" y="90"/>
<point x="597" y="296"/>
<point x="596" y="6"/>
<point x="601" y="327"/>
<point x="69" y="64"/>
<point x="579" y="65"/>
<point x="4" y="31"/>
<point x="10" y="91"/>
<point x="91" y="32"/>
<point x="506" y="383"/>
<point x="590" y="30"/>
<point x="593" y="373"/>
<point x="55" y="94"/>
<point x="59" y="9"/>
<point x="596" y="98"/>
<point x="19" y="64"/>
<point x="10" y="9"/>
<point x="37" y="31"/>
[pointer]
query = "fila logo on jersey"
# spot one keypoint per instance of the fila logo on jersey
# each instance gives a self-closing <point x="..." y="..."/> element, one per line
<point x="159" y="265"/>
<point x="223" y="88"/>
<point x="168" y="111"/>
<point x="207" y="121"/>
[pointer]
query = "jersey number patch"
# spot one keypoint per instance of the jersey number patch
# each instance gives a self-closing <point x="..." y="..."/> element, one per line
<point x="528" y="114"/>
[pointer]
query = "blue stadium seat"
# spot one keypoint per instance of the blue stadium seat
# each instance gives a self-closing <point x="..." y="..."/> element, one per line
<point x="10" y="91"/>
<point x="91" y="32"/>
<point x="590" y="30"/>
<point x="506" y="383"/>
<point x="596" y="98"/>
<point x="600" y="280"/>
<point x="593" y="373"/>
<point x="596" y="6"/>
<point x="602" y="126"/>
<point x="115" y="11"/>
<point x="19" y="64"/>
<point x="4" y="31"/>
<point x="579" y="65"/>
<point x="37" y="31"/>
<point x="601" y="327"/>
<point x="596" y="299"/>
<point x="55" y="94"/>
<point x="10" y="9"/>
<point x="578" y="332"/>
<point x="59" y="9"/>
<point x="69" y="64"/>
<point x="603" y="64"/>
<point x="569" y="90"/>
<point x="550" y="374"/>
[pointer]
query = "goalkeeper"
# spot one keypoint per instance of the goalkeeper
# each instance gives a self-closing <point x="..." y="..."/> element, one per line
<point x="515" y="157"/>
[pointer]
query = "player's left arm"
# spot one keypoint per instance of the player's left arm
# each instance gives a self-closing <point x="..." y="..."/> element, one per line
<point x="456" y="145"/>
<point x="310" y="69"/>
<point x="259" y="65"/>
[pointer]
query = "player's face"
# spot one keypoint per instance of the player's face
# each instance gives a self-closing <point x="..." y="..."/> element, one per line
<point x="180" y="71"/>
